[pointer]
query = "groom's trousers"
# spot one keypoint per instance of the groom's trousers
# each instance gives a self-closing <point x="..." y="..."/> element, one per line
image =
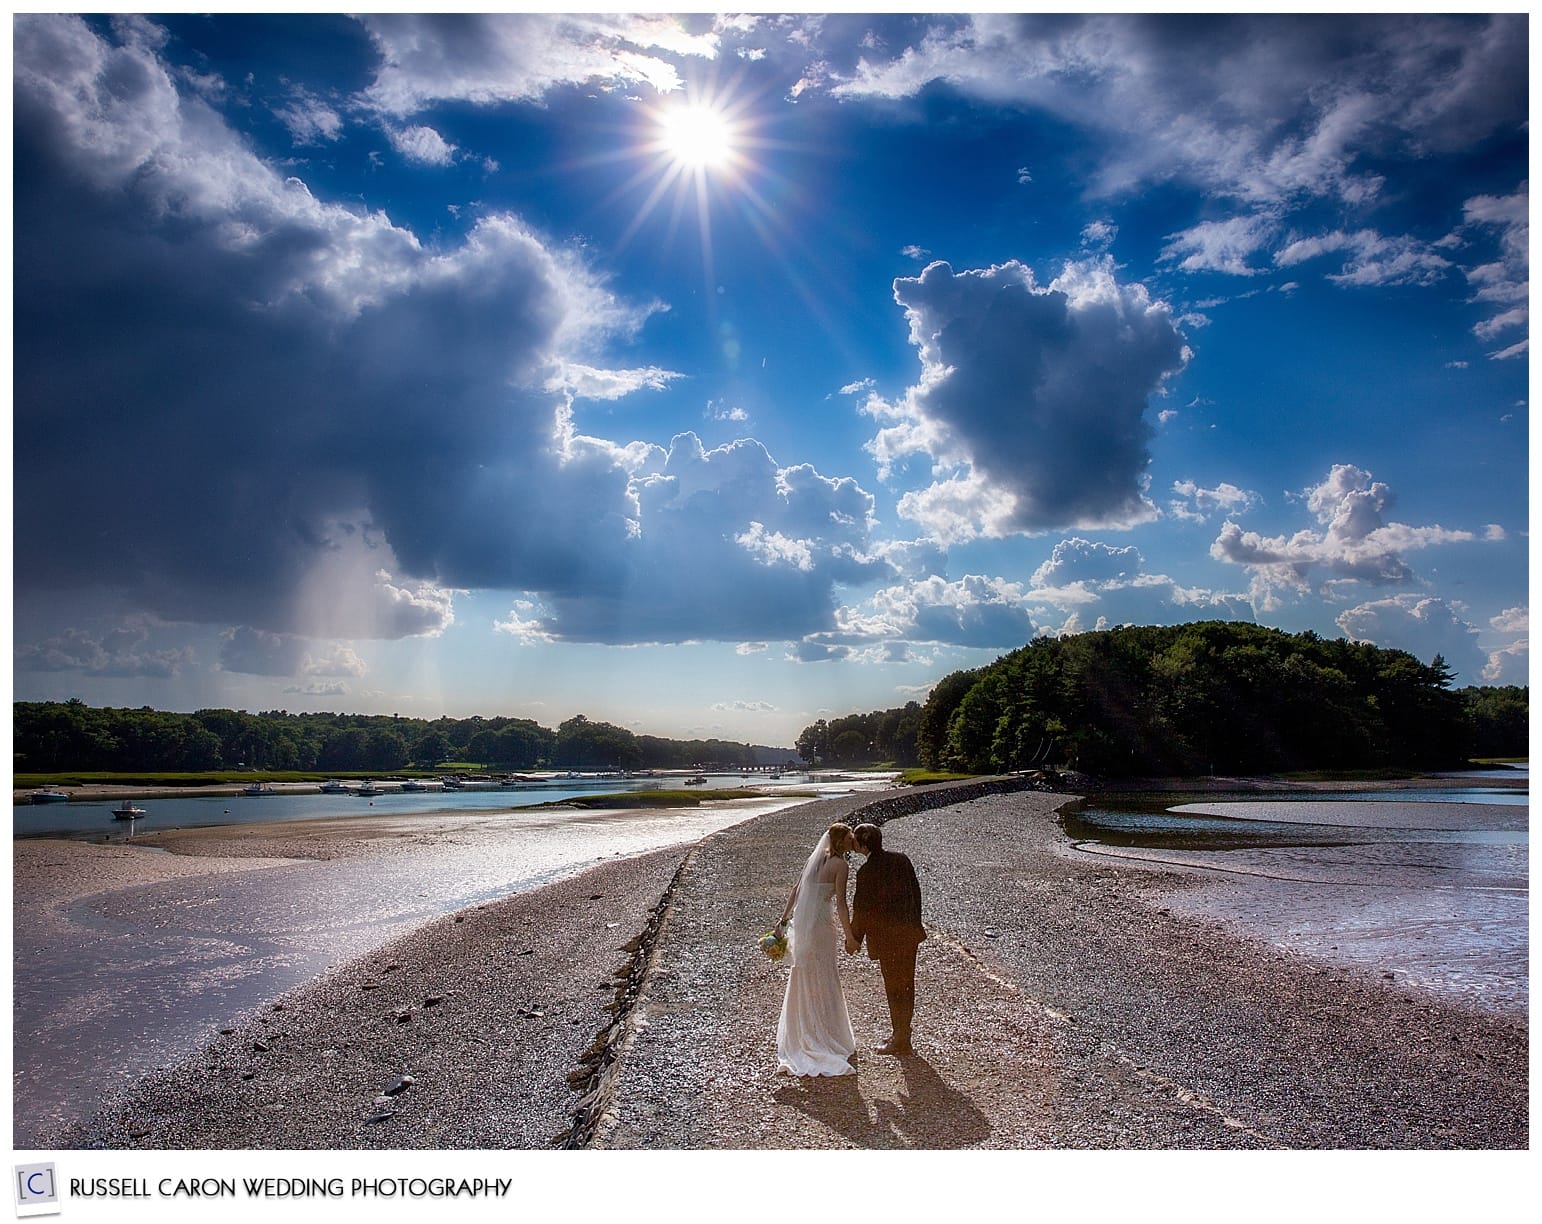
<point x="899" y="983"/>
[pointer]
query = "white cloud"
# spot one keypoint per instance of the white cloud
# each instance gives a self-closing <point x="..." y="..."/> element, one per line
<point x="422" y="145"/>
<point x="587" y="382"/>
<point x="1512" y="620"/>
<point x="1222" y="246"/>
<point x="1423" y="626"/>
<point x="1269" y="108"/>
<point x="1370" y="258"/>
<point x="1509" y="664"/>
<point x="1083" y="578"/>
<point x="1357" y="545"/>
<point x="1099" y="235"/>
<point x="773" y="548"/>
<point x="339" y="661"/>
<point x="524" y="623"/>
<point x="486" y="58"/>
<point x="310" y="120"/>
<point x="1504" y="284"/>
<point x="1198" y="505"/>
<point x="1036" y="394"/>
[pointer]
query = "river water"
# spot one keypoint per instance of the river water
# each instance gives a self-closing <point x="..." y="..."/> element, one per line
<point x="124" y="979"/>
<point x="1426" y="886"/>
<point x="94" y="817"/>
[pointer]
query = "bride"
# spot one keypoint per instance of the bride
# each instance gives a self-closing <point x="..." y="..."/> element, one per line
<point x="813" y="1036"/>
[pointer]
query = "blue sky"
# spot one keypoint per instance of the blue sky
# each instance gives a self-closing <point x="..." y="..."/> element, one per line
<point x="712" y="375"/>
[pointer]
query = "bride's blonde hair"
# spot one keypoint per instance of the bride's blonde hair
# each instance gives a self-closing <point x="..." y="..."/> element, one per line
<point x="841" y="839"/>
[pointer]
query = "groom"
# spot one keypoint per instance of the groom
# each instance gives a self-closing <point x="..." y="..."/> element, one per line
<point x="887" y="913"/>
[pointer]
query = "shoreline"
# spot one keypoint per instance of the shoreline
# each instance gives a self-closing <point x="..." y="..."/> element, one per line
<point x="96" y="792"/>
<point x="656" y="987"/>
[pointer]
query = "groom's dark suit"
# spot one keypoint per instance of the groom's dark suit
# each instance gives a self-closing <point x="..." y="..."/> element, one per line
<point x="886" y="912"/>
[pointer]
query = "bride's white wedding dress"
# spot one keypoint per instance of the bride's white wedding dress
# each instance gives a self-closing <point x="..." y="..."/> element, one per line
<point x="813" y="1036"/>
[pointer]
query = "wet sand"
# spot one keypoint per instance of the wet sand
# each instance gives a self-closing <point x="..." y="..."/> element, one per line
<point x="130" y="957"/>
<point x="1064" y="1002"/>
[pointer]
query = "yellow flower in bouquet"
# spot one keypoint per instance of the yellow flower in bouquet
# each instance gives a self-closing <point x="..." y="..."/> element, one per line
<point x="774" y="944"/>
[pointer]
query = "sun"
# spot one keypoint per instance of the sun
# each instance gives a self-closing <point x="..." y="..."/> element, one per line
<point x="696" y="137"/>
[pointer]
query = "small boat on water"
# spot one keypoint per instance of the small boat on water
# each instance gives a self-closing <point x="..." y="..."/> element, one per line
<point x="698" y="780"/>
<point x="369" y="789"/>
<point x="259" y="788"/>
<point x="334" y="786"/>
<point x="413" y="785"/>
<point x="127" y="811"/>
<point x="50" y="796"/>
<point x="452" y="783"/>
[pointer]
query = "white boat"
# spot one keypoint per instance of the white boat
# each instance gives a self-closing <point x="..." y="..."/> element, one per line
<point x="127" y="811"/>
<point x="412" y="785"/>
<point x="259" y="788"/>
<point x="49" y="796"/>
<point x="369" y="789"/>
<point x="332" y="786"/>
<point x="452" y="783"/>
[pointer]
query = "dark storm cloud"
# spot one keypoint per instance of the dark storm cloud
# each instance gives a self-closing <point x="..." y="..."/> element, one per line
<point x="285" y="414"/>
<point x="1039" y="392"/>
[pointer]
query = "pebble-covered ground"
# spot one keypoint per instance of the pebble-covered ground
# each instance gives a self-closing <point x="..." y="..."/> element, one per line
<point x="1060" y="1005"/>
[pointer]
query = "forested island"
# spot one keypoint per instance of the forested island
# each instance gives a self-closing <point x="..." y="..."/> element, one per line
<point x="53" y="736"/>
<point x="1212" y="697"/>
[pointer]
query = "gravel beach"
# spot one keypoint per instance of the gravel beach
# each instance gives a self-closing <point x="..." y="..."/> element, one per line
<point x="1062" y="1003"/>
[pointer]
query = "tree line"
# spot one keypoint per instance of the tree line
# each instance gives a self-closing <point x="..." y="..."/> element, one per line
<point x="1215" y="696"/>
<point x="55" y="736"/>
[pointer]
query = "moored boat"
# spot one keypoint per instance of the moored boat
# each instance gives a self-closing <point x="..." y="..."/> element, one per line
<point x="127" y="811"/>
<point x="333" y="786"/>
<point x="369" y="789"/>
<point x="259" y="788"/>
<point x="413" y="785"/>
<point x="50" y="796"/>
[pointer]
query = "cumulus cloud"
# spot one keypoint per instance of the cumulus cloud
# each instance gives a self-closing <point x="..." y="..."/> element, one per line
<point x="1085" y="580"/>
<point x="121" y="652"/>
<point x="1510" y="664"/>
<point x="422" y="145"/>
<point x="1357" y="544"/>
<point x="1198" y="505"/>
<point x="360" y="425"/>
<point x="753" y="551"/>
<point x="1423" y="626"/>
<point x="1035" y="394"/>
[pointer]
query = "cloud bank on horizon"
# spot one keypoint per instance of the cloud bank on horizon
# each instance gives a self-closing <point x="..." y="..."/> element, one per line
<point x="366" y="360"/>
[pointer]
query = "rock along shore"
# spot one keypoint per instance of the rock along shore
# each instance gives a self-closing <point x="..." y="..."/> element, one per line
<point x="1060" y="1005"/>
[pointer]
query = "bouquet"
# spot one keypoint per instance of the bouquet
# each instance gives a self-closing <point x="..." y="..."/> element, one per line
<point x="774" y="943"/>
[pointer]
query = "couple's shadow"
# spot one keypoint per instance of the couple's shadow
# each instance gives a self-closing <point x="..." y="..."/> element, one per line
<point x="927" y="1113"/>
